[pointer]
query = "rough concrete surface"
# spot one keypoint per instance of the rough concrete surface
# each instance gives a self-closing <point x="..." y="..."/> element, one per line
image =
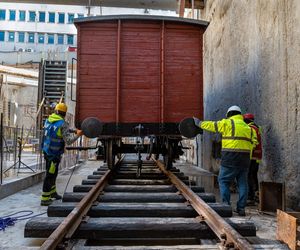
<point x="251" y="59"/>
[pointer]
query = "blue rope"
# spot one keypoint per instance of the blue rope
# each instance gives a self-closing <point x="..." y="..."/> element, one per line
<point x="10" y="219"/>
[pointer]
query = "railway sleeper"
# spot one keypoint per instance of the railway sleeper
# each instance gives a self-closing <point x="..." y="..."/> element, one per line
<point x="133" y="172"/>
<point x="136" y="188"/>
<point x="142" y="176"/>
<point x="103" y="169"/>
<point x="138" y="197"/>
<point x="120" y="227"/>
<point x="117" y="209"/>
<point x="155" y="243"/>
<point x="137" y="182"/>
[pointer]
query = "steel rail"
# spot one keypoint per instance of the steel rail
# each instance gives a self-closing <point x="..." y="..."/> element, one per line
<point x="226" y="233"/>
<point x="69" y="225"/>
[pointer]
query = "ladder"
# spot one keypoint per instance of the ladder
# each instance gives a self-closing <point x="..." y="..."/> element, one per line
<point x="52" y="86"/>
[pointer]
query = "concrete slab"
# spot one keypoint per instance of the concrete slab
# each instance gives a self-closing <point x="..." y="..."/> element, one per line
<point x="29" y="199"/>
<point x="20" y="182"/>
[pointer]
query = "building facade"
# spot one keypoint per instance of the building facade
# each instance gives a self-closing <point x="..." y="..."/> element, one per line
<point x="42" y="27"/>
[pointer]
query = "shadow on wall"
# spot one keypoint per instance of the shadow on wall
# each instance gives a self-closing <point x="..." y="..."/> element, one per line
<point x="247" y="93"/>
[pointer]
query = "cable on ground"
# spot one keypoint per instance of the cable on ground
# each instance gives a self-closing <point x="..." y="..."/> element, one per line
<point x="11" y="219"/>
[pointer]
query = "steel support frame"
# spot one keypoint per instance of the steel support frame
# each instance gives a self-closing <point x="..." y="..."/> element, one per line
<point x="227" y="234"/>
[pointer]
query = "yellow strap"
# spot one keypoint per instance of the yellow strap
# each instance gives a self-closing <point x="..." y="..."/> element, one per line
<point x="237" y="138"/>
<point x="52" y="168"/>
<point x="58" y="133"/>
<point x="53" y="191"/>
<point x="43" y="198"/>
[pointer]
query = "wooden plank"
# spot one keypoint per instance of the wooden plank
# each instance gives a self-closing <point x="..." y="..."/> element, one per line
<point x="133" y="176"/>
<point x="97" y="228"/>
<point x="136" y="182"/>
<point x="157" y="247"/>
<point x="288" y="228"/>
<point x="115" y="209"/>
<point x="138" y="197"/>
<point x="136" y="188"/>
<point x="144" y="172"/>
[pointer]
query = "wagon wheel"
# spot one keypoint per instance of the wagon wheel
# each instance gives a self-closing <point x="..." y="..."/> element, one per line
<point x="168" y="158"/>
<point x="110" y="156"/>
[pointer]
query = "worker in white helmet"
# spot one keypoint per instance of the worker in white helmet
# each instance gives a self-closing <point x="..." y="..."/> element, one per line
<point x="238" y="141"/>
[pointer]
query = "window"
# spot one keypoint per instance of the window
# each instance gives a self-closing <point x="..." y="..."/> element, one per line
<point x="12" y="15"/>
<point x="60" y="39"/>
<point x="21" y="37"/>
<point x="51" y="17"/>
<point x="80" y="15"/>
<point x="42" y="17"/>
<point x="2" y="36"/>
<point x="2" y="14"/>
<point x="70" y="18"/>
<point x="31" y="37"/>
<point x="70" y="39"/>
<point x="11" y="36"/>
<point x="41" y="38"/>
<point x="32" y="16"/>
<point x="50" y="39"/>
<point x="61" y="17"/>
<point x="22" y="15"/>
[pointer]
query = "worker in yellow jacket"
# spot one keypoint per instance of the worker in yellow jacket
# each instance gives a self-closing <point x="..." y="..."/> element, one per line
<point x="238" y="141"/>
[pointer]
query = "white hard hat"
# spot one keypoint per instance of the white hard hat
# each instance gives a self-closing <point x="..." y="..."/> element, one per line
<point x="234" y="108"/>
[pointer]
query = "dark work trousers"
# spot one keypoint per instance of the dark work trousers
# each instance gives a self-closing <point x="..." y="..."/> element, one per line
<point x="49" y="186"/>
<point x="252" y="180"/>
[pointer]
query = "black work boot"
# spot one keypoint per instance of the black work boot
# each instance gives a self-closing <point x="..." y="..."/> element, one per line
<point x="46" y="203"/>
<point x="240" y="212"/>
<point x="56" y="196"/>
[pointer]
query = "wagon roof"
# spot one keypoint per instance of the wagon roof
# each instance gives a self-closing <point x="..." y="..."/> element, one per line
<point x="139" y="17"/>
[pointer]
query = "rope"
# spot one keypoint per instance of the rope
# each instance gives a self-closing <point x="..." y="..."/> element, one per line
<point x="76" y="162"/>
<point x="70" y="177"/>
<point x="11" y="219"/>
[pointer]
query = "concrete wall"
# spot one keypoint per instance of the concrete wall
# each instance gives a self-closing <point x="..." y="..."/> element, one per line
<point x="18" y="103"/>
<point x="251" y="59"/>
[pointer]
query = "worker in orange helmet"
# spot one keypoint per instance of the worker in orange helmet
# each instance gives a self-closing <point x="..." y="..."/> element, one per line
<point x="255" y="160"/>
<point x="56" y="134"/>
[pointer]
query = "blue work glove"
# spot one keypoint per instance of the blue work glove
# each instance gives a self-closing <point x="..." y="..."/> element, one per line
<point x="197" y="122"/>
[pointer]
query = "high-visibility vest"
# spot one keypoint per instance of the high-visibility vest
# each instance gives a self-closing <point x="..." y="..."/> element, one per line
<point x="237" y="136"/>
<point x="257" y="151"/>
<point x="53" y="140"/>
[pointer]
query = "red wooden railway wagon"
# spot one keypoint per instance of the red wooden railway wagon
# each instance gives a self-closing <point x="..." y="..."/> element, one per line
<point x="140" y="75"/>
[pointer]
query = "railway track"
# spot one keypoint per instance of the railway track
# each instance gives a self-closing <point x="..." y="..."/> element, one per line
<point x="159" y="210"/>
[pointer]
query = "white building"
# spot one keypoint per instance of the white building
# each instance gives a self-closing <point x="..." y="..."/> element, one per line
<point x="41" y="27"/>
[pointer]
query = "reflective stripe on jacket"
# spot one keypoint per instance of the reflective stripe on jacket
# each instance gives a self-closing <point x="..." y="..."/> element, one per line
<point x="237" y="136"/>
<point x="53" y="141"/>
<point x="257" y="151"/>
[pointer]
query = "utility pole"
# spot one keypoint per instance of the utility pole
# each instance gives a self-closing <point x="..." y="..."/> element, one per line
<point x="89" y="8"/>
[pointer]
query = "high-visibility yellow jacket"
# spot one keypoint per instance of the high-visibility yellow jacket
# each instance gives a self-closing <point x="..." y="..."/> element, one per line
<point x="237" y="136"/>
